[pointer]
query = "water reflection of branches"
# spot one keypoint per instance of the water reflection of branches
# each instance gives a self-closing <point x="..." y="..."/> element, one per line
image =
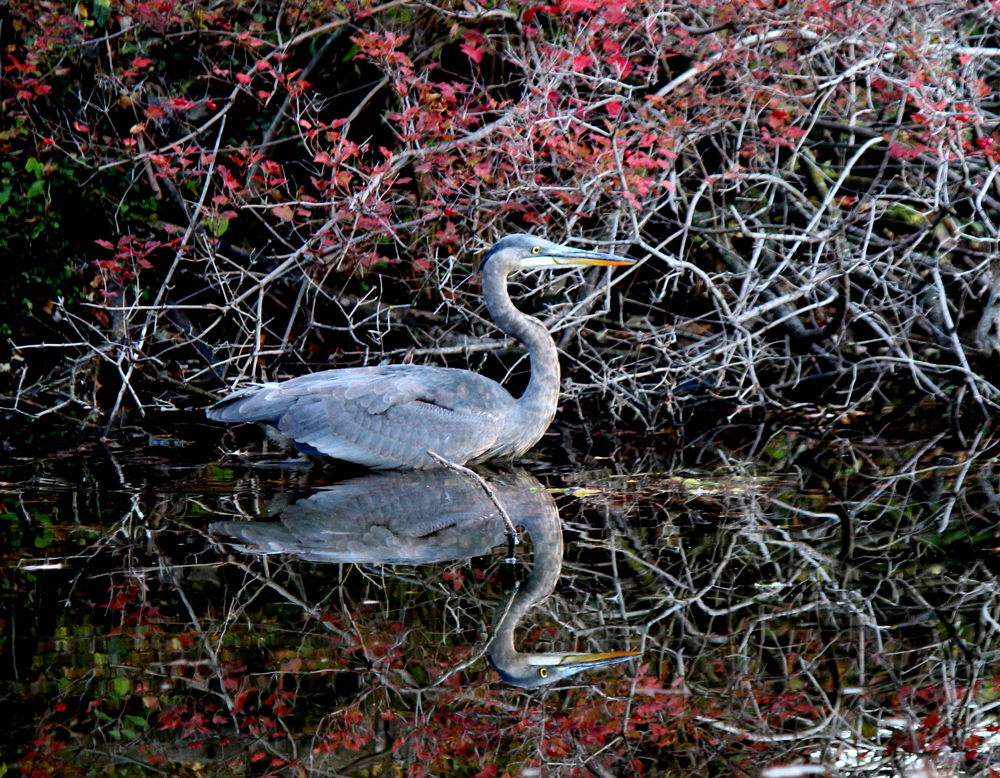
<point x="767" y="639"/>
<point x="848" y="610"/>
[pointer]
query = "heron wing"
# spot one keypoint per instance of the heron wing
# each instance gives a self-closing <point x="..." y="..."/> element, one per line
<point x="380" y="417"/>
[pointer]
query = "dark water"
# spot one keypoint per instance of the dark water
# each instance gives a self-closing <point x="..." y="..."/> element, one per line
<point x="820" y="608"/>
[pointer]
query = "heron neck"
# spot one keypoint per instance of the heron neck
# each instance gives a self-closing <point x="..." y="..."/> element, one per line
<point x="547" y="547"/>
<point x="539" y="401"/>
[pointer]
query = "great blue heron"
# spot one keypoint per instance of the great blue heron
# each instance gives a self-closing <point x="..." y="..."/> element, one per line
<point x="389" y="417"/>
<point x="420" y="518"/>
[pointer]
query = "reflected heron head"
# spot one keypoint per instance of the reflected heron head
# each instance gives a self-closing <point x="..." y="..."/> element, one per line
<point x="530" y="671"/>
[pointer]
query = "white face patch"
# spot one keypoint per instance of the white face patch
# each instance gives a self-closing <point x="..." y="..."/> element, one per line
<point x="540" y="261"/>
<point x="558" y="659"/>
<point x="537" y="263"/>
<point x="545" y="660"/>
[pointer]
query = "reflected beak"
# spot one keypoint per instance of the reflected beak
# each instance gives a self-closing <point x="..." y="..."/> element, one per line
<point x="577" y="662"/>
<point x="562" y="256"/>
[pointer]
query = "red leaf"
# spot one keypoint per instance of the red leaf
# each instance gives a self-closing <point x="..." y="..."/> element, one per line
<point x="283" y="212"/>
<point x="473" y="52"/>
<point x="581" y="62"/>
<point x="622" y="65"/>
<point x="614" y="15"/>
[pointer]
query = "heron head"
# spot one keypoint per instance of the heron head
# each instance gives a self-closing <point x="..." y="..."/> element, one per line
<point x="526" y="252"/>
<point x="529" y="671"/>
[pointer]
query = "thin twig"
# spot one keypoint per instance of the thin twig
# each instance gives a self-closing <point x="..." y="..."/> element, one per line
<point x="509" y="529"/>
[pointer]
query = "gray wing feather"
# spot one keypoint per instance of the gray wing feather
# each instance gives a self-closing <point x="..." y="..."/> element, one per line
<point x="382" y="417"/>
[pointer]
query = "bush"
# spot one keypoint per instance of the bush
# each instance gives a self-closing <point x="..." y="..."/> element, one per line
<point x="203" y="190"/>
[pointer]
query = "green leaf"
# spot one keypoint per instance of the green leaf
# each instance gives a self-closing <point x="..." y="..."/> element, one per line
<point x="36" y="188"/>
<point x="121" y="685"/>
<point x="217" y="227"/>
<point x="102" y="12"/>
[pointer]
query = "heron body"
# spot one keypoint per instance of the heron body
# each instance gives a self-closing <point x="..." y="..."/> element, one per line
<point x="391" y="417"/>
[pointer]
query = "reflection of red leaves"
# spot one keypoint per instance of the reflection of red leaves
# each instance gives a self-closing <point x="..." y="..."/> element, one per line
<point x="239" y="699"/>
<point x="902" y="151"/>
<point x="777" y="118"/>
<point x="487" y="772"/>
<point x="354" y="741"/>
<point x="455" y="578"/>
<point x="529" y="13"/>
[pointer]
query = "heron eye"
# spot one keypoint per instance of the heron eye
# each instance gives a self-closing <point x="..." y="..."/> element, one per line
<point x="543" y="672"/>
<point x="536" y="250"/>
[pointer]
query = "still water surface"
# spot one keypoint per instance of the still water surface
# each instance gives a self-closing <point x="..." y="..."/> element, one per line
<point x="824" y="609"/>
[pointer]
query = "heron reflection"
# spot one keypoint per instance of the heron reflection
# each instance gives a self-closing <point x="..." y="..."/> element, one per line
<point x="427" y="517"/>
